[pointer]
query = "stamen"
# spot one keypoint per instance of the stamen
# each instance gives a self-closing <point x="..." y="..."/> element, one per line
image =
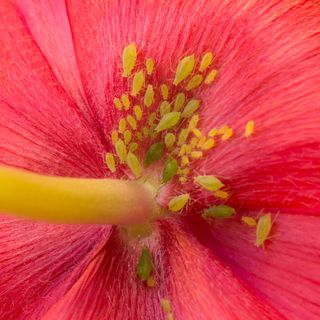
<point x="114" y="137"/>
<point x="184" y="161"/>
<point x="164" y="91"/>
<point x="219" y="211"/>
<point x="134" y="164"/>
<point x="194" y="82"/>
<point x="121" y="151"/>
<point x="125" y="100"/>
<point x="149" y="66"/>
<point x="117" y="103"/>
<point x="122" y="125"/>
<point x="191" y="107"/>
<point x="132" y="122"/>
<point x="196" y="154"/>
<point x="127" y="136"/>
<point x="211" y="76"/>
<point x="197" y="133"/>
<point x="210" y="183"/>
<point x="179" y="101"/>
<point x="184" y="69"/>
<point x="249" y="129"/>
<point x="209" y="144"/>
<point x="263" y="229"/>
<point x="110" y="162"/>
<point x="138" y="112"/>
<point x="168" y="121"/>
<point x="138" y="83"/>
<point x="145" y="264"/>
<point x="206" y="61"/>
<point x="178" y="203"/>
<point x="193" y="122"/>
<point x="149" y="96"/>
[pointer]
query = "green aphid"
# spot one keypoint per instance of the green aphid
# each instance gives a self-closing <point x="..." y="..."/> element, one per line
<point x="219" y="211"/>
<point x="170" y="169"/>
<point x="154" y="153"/>
<point x="144" y="267"/>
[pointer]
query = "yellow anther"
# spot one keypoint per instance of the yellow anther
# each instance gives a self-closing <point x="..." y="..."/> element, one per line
<point x="193" y="122"/>
<point x="196" y="154"/>
<point x="223" y="129"/>
<point x="183" y="179"/>
<point x="184" y="161"/>
<point x="139" y="136"/>
<point x="168" y="121"/>
<point x="152" y="117"/>
<point x="179" y="101"/>
<point x="263" y="229"/>
<point x="117" y="103"/>
<point x="251" y="222"/>
<point x="193" y="142"/>
<point x="197" y="133"/>
<point x="138" y="112"/>
<point x="121" y="150"/>
<point x="151" y="282"/>
<point x="184" y="69"/>
<point x="134" y="164"/>
<point x="188" y="149"/>
<point x="127" y="136"/>
<point x="164" y="108"/>
<point x="211" y="76"/>
<point x="137" y="83"/>
<point x="194" y="82"/>
<point x="129" y="59"/>
<point x="125" y="100"/>
<point x="114" y="136"/>
<point x="249" y="128"/>
<point x="178" y="203"/>
<point x="133" y="147"/>
<point x="149" y="96"/>
<point x="227" y="135"/>
<point x="122" y="125"/>
<point x="210" y="183"/>
<point x="145" y="131"/>
<point x="132" y="122"/>
<point x="164" y="91"/>
<point x="208" y="144"/>
<point x="166" y="305"/>
<point x="183" y="136"/>
<point x="169" y="139"/>
<point x="202" y="141"/>
<point x="149" y="66"/>
<point x="110" y="162"/>
<point x="221" y="194"/>
<point x="213" y="132"/>
<point x="206" y="61"/>
<point x="191" y="107"/>
<point x="182" y="150"/>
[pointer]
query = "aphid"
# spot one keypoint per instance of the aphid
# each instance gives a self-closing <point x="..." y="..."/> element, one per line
<point x="122" y="125"/>
<point x="166" y="305"/>
<point x="139" y="136"/>
<point x="151" y="282"/>
<point x="110" y="162"/>
<point x="168" y="121"/>
<point x="193" y="122"/>
<point x="154" y="153"/>
<point x="194" y="82"/>
<point x="183" y="136"/>
<point x="249" y="129"/>
<point x="138" y="112"/>
<point x="196" y="154"/>
<point x="178" y="203"/>
<point x="221" y="194"/>
<point x="219" y="211"/>
<point x="184" y="69"/>
<point x="121" y="150"/>
<point x="169" y="139"/>
<point x="170" y="169"/>
<point x="227" y="135"/>
<point x="125" y="101"/>
<point x="210" y="183"/>
<point x="127" y="136"/>
<point x="149" y="66"/>
<point x="191" y="107"/>
<point x="213" y="132"/>
<point x="117" y="103"/>
<point x="179" y="101"/>
<point x="114" y="136"/>
<point x="188" y="149"/>
<point x="164" y="108"/>
<point x="152" y="117"/>
<point x="194" y="141"/>
<point x="206" y="61"/>
<point x="133" y="147"/>
<point x="145" y="264"/>
<point x="137" y="83"/>
<point x="211" y="76"/>
<point x="134" y="164"/>
<point x="164" y="91"/>
<point x="202" y="141"/>
<point x="263" y="229"/>
<point x="132" y="122"/>
<point x="207" y="145"/>
<point x="149" y="96"/>
<point x="129" y="59"/>
<point x="250" y="221"/>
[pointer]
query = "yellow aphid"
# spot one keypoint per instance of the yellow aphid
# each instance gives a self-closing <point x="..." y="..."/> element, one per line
<point x="134" y="164"/>
<point x="166" y="305"/>
<point x="213" y="132"/>
<point x="149" y="66"/>
<point x="227" y="135"/>
<point x="206" y="61"/>
<point x="110" y="162"/>
<point x="133" y="147"/>
<point x="193" y="122"/>
<point x="221" y="194"/>
<point x="152" y="117"/>
<point x="138" y="112"/>
<point x="117" y="103"/>
<point x="127" y="136"/>
<point x="168" y="121"/>
<point x="202" y="141"/>
<point x="151" y="282"/>
<point x="210" y="183"/>
<point x="169" y="139"/>
<point x="114" y="136"/>
<point x="263" y="229"/>
<point x="208" y="144"/>
<point x="164" y="91"/>
<point x="179" y="101"/>
<point x="145" y="131"/>
<point x="184" y="69"/>
<point x="191" y="107"/>
<point x="194" y="82"/>
<point x="177" y="203"/>
<point x="196" y="154"/>
<point x="193" y="142"/>
<point x="223" y="129"/>
<point x="249" y="128"/>
<point x="122" y="125"/>
<point x="132" y="122"/>
<point x="137" y="83"/>
<point x="149" y="96"/>
<point x="164" y="108"/>
<point x="211" y="76"/>
<point x="121" y="150"/>
<point x="183" y="136"/>
<point x="251" y="222"/>
<point x="184" y="161"/>
<point x="197" y="133"/>
<point x="139" y="136"/>
<point x="183" y="179"/>
<point x="129" y="59"/>
<point x="125" y="100"/>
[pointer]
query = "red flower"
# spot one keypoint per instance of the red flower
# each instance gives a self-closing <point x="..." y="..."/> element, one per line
<point x="60" y="69"/>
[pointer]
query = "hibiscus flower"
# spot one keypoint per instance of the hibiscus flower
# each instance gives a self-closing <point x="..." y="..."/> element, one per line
<point x="176" y="143"/>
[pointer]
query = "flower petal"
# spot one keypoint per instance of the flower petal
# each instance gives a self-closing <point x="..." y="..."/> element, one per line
<point x="40" y="262"/>
<point x="286" y="274"/>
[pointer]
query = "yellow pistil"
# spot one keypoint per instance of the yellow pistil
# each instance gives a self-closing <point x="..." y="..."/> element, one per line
<point x="129" y="59"/>
<point x="184" y="69"/>
<point x="178" y="203"/>
<point x="249" y="129"/>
